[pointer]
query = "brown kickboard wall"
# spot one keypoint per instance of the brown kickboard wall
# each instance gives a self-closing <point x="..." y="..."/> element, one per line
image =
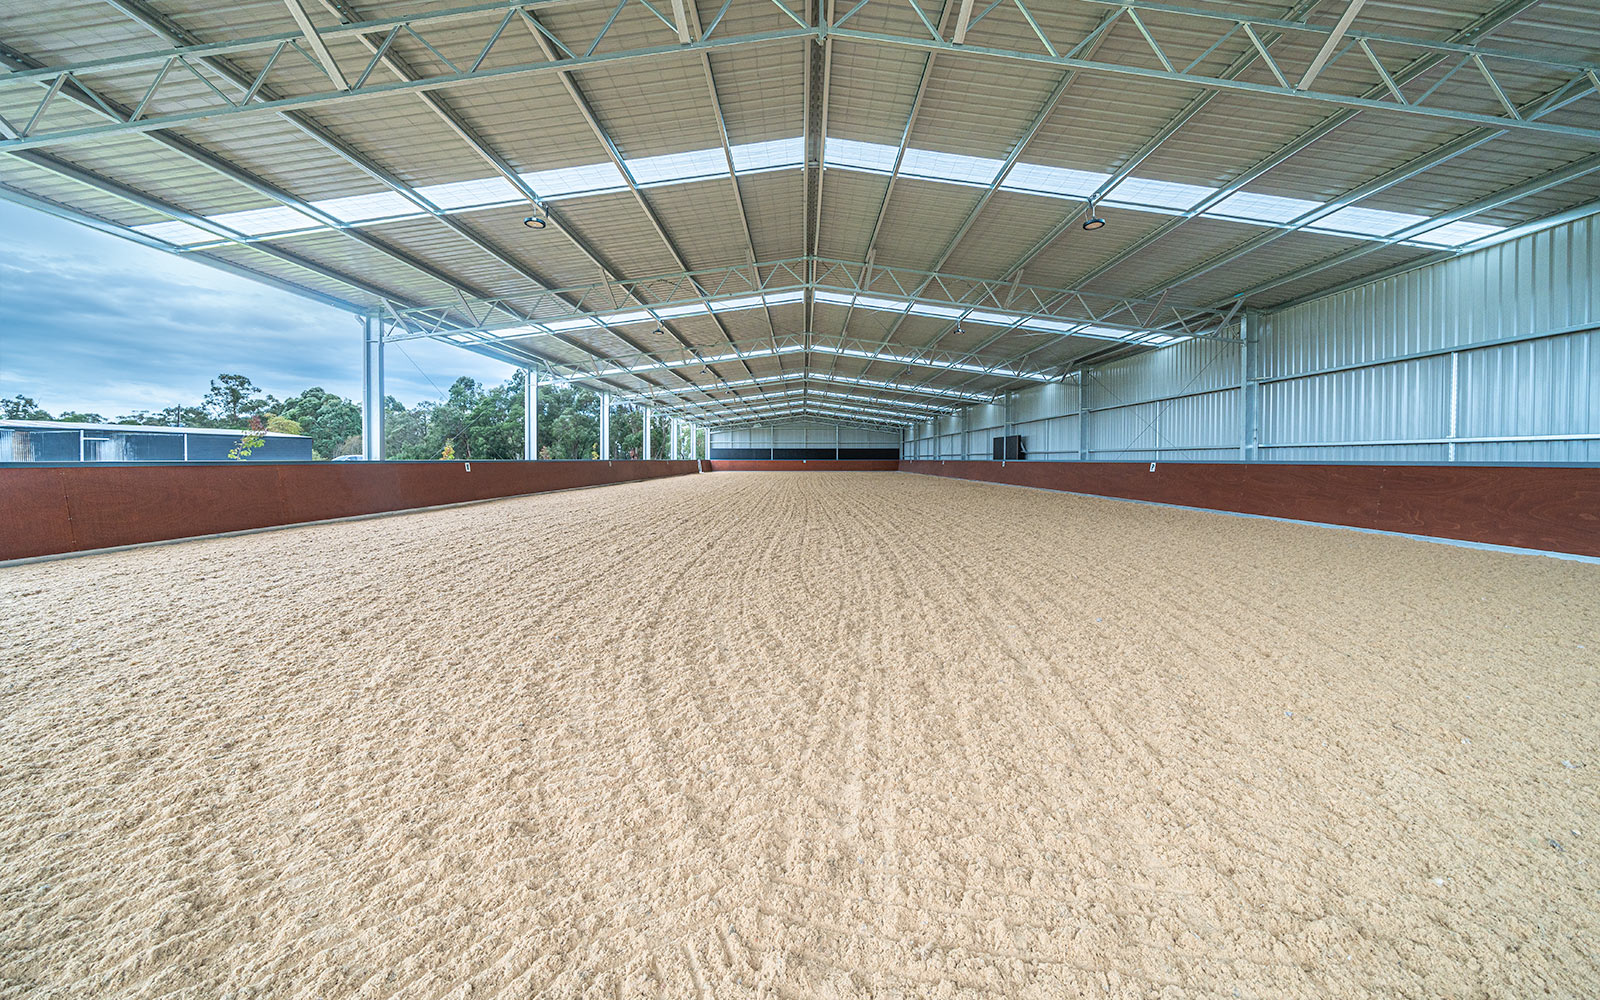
<point x="50" y="510"/>
<point x="807" y="465"/>
<point x="1536" y="507"/>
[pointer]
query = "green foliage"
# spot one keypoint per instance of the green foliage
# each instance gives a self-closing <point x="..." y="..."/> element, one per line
<point x="569" y="422"/>
<point x="249" y="442"/>
<point x="22" y="407"/>
<point x="74" y="417"/>
<point x="329" y="419"/>
<point x="173" y="416"/>
<point x="231" y="397"/>
<point x="473" y="421"/>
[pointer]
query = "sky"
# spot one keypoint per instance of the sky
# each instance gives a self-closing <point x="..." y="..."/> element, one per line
<point x="98" y="324"/>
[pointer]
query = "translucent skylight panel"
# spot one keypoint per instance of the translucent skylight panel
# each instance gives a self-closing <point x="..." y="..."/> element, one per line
<point x="675" y="168"/>
<point x="1106" y="333"/>
<point x="993" y="318"/>
<point x="479" y="193"/>
<point x="1366" y="221"/>
<point x="1142" y="192"/>
<point x="575" y="323"/>
<point x="1060" y="182"/>
<point x="916" y="309"/>
<point x="687" y="309"/>
<point x="368" y="207"/>
<point x="955" y="168"/>
<point x="1457" y="234"/>
<point x="513" y="331"/>
<point x="874" y="156"/>
<point x="1251" y="207"/>
<point x="567" y="182"/>
<point x="267" y="221"/>
<point x="734" y="305"/>
<point x="834" y="298"/>
<point x="770" y="155"/>
<point x="177" y="233"/>
<point x="925" y="362"/>
<point x="1050" y="325"/>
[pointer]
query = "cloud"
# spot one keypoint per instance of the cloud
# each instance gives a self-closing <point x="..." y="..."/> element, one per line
<point x="92" y="322"/>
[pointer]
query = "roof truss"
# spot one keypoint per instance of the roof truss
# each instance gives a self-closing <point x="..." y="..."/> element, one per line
<point x="1478" y="96"/>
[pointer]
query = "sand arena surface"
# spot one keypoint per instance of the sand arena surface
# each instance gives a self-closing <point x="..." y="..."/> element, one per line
<point x="801" y="735"/>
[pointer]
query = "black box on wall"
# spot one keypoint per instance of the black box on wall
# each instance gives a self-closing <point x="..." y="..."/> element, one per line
<point x="1008" y="447"/>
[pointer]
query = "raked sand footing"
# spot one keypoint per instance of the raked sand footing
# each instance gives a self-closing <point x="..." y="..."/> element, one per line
<point x="801" y="735"/>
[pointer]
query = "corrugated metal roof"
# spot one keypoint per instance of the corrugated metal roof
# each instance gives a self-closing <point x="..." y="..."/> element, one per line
<point x="655" y="108"/>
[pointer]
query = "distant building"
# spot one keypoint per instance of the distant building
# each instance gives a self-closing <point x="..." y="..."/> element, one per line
<point x="58" y="441"/>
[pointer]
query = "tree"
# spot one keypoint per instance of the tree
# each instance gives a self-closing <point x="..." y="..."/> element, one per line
<point x="20" y="407"/>
<point x="232" y="396"/>
<point x="569" y="421"/>
<point x="283" y="425"/>
<point x="329" y="419"/>
<point x="627" y="432"/>
<point x="173" y="416"/>
<point x="250" y="441"/>
<point x="74" y="417"/>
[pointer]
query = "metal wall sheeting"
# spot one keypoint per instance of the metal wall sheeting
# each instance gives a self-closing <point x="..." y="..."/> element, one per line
<point x="1492" y="356"/>
<point x="1541" y="283"/>
<point x="803" y="434"/>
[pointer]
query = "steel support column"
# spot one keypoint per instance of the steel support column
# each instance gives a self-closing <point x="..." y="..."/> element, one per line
<point x="1083" y="416"/>
<point x="372" y="389"/>
<point x="1249" y="388"/>
<point x="605" y="425"/>
<point x="530" y="417"/>
<point x="649" y="413"/>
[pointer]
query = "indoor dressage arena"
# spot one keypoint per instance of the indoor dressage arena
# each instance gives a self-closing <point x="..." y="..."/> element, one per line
<point x="987" y="499"/>
<point x="803" y="734"/>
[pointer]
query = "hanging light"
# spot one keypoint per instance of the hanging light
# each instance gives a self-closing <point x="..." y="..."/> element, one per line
<point x="1093" y="221"/>
<point x="535" y="222"/>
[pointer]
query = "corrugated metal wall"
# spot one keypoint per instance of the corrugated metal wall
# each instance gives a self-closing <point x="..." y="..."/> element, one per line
<point x="1492" y="356"/>
<point x="803" y="434"/>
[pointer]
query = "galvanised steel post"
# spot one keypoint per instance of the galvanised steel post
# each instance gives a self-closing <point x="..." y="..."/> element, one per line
<point x="372" y="389"/>
<point x="530" y="418"/>
<point x="1250" y="328"/>
<point x="649" y="414"/>
<point x="1083" y="416"/>
<point x="605" y="425"/>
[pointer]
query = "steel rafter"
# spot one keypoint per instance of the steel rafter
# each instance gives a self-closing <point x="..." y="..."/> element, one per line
<point x="546" y="40"/>
<point x="808" y="408"/>
<point x="983" y="301"/>
<point x="1470" y="62"/>
<point x="1090" y="43"/>
<point x="383" y="54"/>
<point x="865" y="385"/>
<point x="157" y="24"/>
<point x="926" y="75"/>
<point x="1544" y="182"/>
<point x="783" y="346"/>
<point x="842" y="401"/>
<point x="1480" y="28"/>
